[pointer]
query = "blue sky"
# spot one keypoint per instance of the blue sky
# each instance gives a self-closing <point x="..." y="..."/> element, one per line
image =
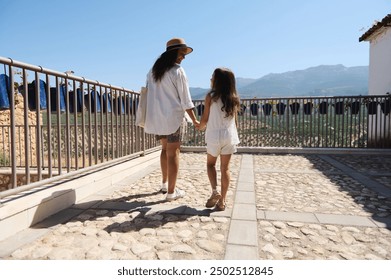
<point x="117" y="41"/>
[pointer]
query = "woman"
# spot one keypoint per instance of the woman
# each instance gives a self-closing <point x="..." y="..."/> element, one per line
<point x="168" y="99"/>
<point x="219" y="119"/>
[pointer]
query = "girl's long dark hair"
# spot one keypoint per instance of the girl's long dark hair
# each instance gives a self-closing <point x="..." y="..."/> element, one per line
<point x="164" y="63"/>
<point x="224" y="87"/>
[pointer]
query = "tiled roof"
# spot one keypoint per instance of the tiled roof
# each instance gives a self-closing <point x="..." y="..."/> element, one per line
<point x="385" y="22"/>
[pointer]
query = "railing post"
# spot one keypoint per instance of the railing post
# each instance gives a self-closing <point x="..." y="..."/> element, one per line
<point x="143" y="142"/>
<point x="38" y="133"/>
<point x="13" y="134"/>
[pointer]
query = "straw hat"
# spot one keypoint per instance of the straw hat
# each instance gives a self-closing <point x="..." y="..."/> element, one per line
<point x="178" y="43"/>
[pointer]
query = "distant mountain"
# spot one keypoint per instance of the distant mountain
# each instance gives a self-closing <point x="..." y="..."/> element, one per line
<point x="323" y="80"/>
<point x="242" y="82"/>
<point x="198" y="93"/>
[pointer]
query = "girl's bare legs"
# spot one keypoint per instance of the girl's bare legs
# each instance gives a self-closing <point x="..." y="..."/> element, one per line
<point x="212" y="174"/>
<point x="225" y="175"/>
<point x="211" y="168"/>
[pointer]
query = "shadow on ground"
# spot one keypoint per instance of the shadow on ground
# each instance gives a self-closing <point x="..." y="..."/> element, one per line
<point x="366" y="178"/>
<point x="136" y="213"/>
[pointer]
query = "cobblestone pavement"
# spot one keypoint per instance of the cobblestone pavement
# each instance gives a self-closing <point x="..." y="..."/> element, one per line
<point x="311" y="184"/>
<point x="305" y="207"/>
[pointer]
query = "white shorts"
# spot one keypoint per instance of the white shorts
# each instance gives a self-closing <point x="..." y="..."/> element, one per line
<point x="217" y="149"/>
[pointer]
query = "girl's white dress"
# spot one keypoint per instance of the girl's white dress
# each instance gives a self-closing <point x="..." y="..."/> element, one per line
<point x="220" y="129"/>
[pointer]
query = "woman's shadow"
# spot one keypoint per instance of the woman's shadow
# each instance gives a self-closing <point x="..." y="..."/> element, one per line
<point x="137" y="211"/>
<point x="148" y="214"/>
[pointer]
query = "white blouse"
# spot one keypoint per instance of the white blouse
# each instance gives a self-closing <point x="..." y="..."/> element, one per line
<point x="167" y="101"/>
<point x="219" y="127"/>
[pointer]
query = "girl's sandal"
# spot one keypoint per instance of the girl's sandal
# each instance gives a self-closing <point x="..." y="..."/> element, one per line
<point x="220" y="206"/>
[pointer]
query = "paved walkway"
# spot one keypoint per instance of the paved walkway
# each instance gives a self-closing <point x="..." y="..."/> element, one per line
<point x="279" y="207"/>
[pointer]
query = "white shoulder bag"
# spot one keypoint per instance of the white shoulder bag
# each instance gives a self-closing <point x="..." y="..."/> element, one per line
<point x="142" y="108"/>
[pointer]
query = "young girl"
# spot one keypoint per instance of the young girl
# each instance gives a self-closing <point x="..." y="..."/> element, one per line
<point x="221" y="136"/>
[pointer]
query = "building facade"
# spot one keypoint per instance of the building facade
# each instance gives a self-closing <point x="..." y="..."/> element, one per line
<point x="379" y="38"/>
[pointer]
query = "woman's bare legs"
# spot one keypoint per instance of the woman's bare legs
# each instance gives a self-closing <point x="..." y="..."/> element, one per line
<point x="173" y="150"/>
<point x="163" y="160"/>
<point x="169" y="163"/>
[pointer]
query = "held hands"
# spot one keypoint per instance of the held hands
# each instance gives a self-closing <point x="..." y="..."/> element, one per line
<point x="196" y="123"/>
<point x="200" y="127"/>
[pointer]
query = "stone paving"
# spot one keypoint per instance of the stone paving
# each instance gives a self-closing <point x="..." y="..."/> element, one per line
<point x="279" y="207"/>
<point x="300" y="185"/>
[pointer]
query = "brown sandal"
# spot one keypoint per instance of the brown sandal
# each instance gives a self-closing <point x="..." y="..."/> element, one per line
<point x="214" y="198"/>
<point x="220" y="206"/>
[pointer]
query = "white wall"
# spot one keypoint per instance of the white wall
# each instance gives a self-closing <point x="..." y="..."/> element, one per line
<point x="380" y="64"/>
<point x="380" y="82"/>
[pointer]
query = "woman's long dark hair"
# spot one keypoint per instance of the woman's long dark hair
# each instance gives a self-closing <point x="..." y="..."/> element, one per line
<point x="164" y="63"/>
<point x="224" y="87"/>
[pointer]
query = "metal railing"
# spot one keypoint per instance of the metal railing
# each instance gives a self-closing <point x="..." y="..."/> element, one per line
<point x="57" y="123"/>
<point x="316" y="122"/>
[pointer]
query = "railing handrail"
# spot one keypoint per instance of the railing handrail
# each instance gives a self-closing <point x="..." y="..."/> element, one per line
<point x="11" y="62"/>
<point x="309" y="97"/>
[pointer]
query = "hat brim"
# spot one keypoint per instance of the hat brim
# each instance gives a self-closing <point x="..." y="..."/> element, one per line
<point x="188" y="49"/>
